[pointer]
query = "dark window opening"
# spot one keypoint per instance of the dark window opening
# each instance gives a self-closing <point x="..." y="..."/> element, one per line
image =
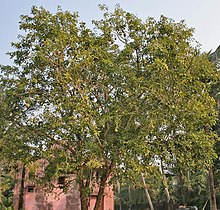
<point x="30" y="189"/>
<point x="61" y="180"/>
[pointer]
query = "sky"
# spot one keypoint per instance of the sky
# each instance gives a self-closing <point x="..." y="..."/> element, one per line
<point x="202" y="15"/>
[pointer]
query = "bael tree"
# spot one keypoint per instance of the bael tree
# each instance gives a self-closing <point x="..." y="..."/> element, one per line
<point x="109" y="101"/>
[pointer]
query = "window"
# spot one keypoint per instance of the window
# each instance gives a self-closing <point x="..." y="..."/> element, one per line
<point x="30" y="189"/>
<point x="61" y="180"/>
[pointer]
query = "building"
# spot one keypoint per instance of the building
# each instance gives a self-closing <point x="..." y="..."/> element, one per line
<point x="35" y="198"/>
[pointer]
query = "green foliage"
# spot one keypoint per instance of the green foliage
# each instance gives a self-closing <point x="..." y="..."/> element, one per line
<point x="136" y="200"/>
<point x="110" y="100"/>
<point x="6" y="187"/>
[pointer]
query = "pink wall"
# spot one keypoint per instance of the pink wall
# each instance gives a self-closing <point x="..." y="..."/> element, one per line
<point x="37" y="199"/>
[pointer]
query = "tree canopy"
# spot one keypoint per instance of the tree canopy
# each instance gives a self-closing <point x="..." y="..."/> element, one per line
<point x="112" y="99"/>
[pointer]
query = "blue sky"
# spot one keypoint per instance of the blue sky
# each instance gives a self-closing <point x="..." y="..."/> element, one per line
<point x="203" y="15"/>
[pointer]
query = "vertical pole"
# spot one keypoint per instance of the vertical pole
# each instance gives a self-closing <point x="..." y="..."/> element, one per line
<point x="129" y="196"/>
<point x="213" y="205"/>
<point x="119" y="193"/>
<point x="147" y="193"/>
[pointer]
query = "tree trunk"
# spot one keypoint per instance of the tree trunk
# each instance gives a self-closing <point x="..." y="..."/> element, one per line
<point x="84" y="183"/>
<point x="119" y="193"/>
<point x="101" y="192"/>
<point x="180" y="186"/>
<point x="167" y="192"/>
<point x="1" y="163"/>
<point x="147" y="194"/>
<point x="21" y="193"/>
<point x="103" y="183"/>
<point x="0" y="188"/>
<point x="129" y="196"/>
<point x="213" y="205"/>
<point x="84" y="200"/>
<point x="165" y="183"/>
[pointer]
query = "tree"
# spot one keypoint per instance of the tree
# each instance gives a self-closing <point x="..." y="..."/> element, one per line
<point x="213" y="180"/>
<point x="7" y="163"/>
<point x="104" y="102"/>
